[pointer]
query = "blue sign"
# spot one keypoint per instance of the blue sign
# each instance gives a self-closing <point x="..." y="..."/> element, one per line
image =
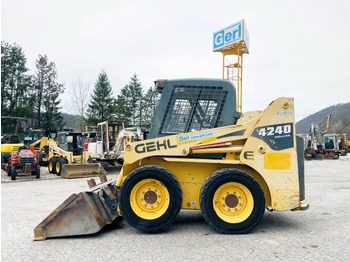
<point x="190" y="137"/>
<point x="228" y="35"/>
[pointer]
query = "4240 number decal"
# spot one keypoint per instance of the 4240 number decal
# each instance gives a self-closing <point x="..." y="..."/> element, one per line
<point x="275" y="130"/>
<point x="278" y="137"/>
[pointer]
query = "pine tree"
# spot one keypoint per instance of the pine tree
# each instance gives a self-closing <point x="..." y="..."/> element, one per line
<point x="129" y="104"/>
<point x="15" y="83"/>
<point x="151" y="100"/>
<point x="122" y="106"/>
<point x="47" y="91"/>
<point x="13" y="78"/>
<point x="101" y="105"/>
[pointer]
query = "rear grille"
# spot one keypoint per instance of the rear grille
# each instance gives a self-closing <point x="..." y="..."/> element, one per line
<point x="15" y="148"/>
<point x="26" y="159"/>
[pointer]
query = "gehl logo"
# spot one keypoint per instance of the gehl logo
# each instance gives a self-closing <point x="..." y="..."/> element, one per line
<point x="153" y="146"/>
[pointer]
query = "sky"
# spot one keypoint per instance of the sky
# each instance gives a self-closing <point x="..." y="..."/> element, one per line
<point x="298" y="48"/>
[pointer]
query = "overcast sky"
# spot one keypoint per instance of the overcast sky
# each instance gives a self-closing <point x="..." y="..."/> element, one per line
<point x="298" y="48"/>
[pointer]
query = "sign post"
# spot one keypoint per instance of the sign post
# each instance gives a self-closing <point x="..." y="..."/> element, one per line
<point x="233" y="41"/>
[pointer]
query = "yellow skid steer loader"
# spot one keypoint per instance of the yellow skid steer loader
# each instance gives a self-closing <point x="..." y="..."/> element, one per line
<point x="68" y="159"/>
<point x="201" y="155"/>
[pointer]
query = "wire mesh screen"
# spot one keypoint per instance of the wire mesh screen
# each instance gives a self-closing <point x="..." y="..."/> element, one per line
<point x="193" y="108"/>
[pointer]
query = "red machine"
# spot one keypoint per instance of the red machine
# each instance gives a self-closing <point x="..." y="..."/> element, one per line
<point x="26" y="161"/>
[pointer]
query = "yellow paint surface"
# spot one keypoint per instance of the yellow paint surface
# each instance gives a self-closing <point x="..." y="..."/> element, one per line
<point x="277" y="161"/>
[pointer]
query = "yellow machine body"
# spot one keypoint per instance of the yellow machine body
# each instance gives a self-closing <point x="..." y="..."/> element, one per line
<point x="265" y="157"/>
<point x="67" y="165"/>
<point x="39" y="145"/>
<point x="9" y="148"/>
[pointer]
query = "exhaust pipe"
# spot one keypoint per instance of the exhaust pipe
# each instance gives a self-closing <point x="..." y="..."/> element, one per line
<point x="82" y="214"/>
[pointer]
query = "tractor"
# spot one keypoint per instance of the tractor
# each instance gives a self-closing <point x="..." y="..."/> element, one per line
<point x="26" y="161"/>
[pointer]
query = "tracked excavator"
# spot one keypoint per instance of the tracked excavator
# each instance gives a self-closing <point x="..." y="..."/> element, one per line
<point x="200" y="155"/>
<point x="108" y="147"/>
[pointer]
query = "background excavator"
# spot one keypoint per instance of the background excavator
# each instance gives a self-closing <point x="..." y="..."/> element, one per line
<point x="108" y="146"/>
<point x="201" y="155"/>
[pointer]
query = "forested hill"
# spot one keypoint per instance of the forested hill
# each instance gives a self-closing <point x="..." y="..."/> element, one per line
<point x="340" y="120"/>
<point x="71" y="121"/>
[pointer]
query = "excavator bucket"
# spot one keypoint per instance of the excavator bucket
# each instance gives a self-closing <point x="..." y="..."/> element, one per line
<point x="82" y="170"/>
<point x="81" y="214"/>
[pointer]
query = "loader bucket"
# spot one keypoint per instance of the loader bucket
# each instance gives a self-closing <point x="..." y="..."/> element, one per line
<point x="82" y="170"/>
<point x="80" y="214"/>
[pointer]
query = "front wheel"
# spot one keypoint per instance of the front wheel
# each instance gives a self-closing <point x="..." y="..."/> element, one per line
<point x="13" y="173"/>
<point x="9" y="169"/>
<point x="232" y="202"/>
<point x="150" y="198"/>
<point x="52" y="165"/>
<point x="37" y="172"/>
<point x="59" y="163"/>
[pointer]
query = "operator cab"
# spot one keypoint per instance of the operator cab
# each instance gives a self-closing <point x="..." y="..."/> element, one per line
<point x="189" y="105"/>
<point x="71" y="142"/>
<point x="107" y="133"/>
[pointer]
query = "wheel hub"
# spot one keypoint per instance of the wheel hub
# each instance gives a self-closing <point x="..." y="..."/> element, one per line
<point x="149" y="199"/>
<point x="233" y="202"/>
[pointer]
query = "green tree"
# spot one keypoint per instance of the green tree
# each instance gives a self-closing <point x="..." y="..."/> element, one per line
<point x="15" y="83"/>
<point x="151" y="100"/>
<point x="101" y="106"/>
<point x="129" y="103"/>
<point x="47" y="91"/>
<point x="122" y="106"/>
<point x="12" y="76"/>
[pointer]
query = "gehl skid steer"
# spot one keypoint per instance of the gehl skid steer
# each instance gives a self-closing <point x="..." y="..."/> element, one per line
<point x="200" y="154"/>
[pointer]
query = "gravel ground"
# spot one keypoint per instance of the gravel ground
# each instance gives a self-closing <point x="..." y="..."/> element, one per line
<point x="322" y="233"/>
<point x="44" y="175"/>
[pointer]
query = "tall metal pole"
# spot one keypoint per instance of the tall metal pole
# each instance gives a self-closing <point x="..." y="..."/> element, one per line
<point x="223" y="66"/>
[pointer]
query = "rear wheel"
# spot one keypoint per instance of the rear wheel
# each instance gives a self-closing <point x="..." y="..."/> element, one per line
<point x="52" y="165"/>
<point x="13" y="173"/>
<point x="59" y="163"/>
<point x="9" y="169"/>
<point x="232" y="202"/>
<point x="150" y="198"/>
<point x="37" y="172"/>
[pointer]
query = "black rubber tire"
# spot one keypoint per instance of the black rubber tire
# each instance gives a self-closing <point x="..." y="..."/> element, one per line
<point x="37" y="171"/>
<point x="9" y="169"/>
<point x="13" y="173"/>
<point x="210" y="186"/>
<point x="52" y="165"/>
<point x="175" y="194"/>
<point x="104" y="165"/>
<point x="40" y="159"/>
<point x="60" y="162"/>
